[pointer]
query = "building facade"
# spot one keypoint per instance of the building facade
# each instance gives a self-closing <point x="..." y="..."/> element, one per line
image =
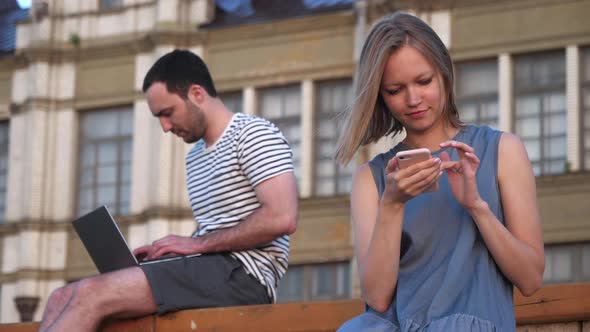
<point x="76" y="132"/>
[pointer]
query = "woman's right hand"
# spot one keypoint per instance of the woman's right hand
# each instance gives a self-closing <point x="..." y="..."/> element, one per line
<point x="401" y="185"/>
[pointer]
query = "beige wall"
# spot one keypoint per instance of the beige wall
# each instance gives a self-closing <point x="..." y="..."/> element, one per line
<point x="564" y="204"/>
<point x="5" y="92"/>
<point x="518" y="26"/>
<point x="103" y="82"/>
<point x="324" y="231"/>
<point x="281" y="52"/>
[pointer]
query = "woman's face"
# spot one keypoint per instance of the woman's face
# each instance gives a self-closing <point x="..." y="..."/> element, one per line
<point x="412" y="90"/>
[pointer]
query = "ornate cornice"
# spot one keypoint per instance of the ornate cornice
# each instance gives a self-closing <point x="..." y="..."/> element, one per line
<point x="568" y="183"/>
<point x="32" y="274"/>
<point x="100" y="48"/>
<point x="50" y="225"/>
<point x="96" y="12"/>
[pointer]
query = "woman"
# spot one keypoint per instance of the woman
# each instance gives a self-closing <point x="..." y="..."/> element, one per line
<point x="447" y="260"/>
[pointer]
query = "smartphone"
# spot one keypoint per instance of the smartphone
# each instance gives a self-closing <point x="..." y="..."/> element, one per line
<point x="411" y="157"/>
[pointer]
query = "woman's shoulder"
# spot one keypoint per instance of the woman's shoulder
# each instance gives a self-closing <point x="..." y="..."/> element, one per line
<point x="471" y="130"/>
<point x="480" y="136"/>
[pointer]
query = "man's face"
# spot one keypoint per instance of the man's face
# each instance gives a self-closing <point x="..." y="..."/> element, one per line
<point x="180" y="116"/>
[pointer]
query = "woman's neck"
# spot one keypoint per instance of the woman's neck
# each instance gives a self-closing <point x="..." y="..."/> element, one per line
<point x="430" y="139"/>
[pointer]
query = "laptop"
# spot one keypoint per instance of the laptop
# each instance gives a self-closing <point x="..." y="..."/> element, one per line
<point x="105" y="243"/>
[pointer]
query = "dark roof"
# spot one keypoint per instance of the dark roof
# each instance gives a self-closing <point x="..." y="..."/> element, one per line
<point x="10" y="13"/>
<point x="239" y="12"/>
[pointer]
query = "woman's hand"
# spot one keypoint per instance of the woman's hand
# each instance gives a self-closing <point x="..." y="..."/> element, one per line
<point x="402" y="185"/>
<point x="461" y="173"/>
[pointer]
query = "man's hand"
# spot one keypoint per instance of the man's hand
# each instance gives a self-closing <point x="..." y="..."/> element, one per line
<point x="170" y="244"/>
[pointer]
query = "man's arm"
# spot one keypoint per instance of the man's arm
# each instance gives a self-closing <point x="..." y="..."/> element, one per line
<point x="276" y="216"/>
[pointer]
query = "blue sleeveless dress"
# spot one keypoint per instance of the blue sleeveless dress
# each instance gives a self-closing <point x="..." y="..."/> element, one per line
<point x="448" y="281"/>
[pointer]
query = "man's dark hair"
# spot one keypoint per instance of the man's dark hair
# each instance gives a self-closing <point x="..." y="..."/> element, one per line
<point x="179" y="70"/>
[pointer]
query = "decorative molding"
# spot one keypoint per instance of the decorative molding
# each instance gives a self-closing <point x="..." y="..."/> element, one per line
<point x="97" y="12"/>
<point x="103" y="101"/>
<point x="315" y="255"/>
<point x="10" y="63"/>
<point x="47" y="225"/>
<point x="280" y="77"/>
<point x="564" y="183"/>
<point x="100" y="48"/>
<point x="31" y="274"/>
<point x="16" y="227"/>
<point x="78" y="103"/>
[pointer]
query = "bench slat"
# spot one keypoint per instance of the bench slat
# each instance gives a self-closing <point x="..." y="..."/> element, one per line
<point x="292" y="317"/>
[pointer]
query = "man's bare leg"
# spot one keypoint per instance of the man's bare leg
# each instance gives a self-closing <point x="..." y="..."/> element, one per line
<point x="57" y="302"/>
<point x="81" y="306"/>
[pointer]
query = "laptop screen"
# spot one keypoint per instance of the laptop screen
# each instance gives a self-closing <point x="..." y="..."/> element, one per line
<point x="103" y="241"/>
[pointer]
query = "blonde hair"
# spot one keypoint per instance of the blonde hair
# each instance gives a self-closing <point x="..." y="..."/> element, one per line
<point x="369" y="119"/>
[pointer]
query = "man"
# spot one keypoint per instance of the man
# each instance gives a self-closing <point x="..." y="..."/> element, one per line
<point x="243" y="195"/>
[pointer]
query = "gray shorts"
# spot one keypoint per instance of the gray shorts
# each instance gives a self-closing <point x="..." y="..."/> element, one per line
<point x="206" y="281"/>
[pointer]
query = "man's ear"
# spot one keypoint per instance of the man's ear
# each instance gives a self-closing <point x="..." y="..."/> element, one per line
<point x="196" y="94"/>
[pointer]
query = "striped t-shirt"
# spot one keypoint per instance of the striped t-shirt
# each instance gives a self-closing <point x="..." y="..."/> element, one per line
<point x="221" y="180"/>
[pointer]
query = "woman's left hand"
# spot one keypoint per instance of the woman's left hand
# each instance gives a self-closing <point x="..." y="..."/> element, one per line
<point x="461" y="173"/>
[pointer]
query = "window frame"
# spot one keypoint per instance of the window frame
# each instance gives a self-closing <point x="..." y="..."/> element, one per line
<point x="120" y="140"/>
<point x="288" y="120"/>
<point x="229" y="95"/>
<point x="541" y="93"/>
<point x="576" y="251"/>
<point x="479" y="98"/>
<point x="308" y="281"/>
<point x="339" y="171"/>
<point x="106" y="5"/>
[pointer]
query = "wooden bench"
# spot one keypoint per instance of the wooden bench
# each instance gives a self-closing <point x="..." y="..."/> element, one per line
<point x="553" y="308"/>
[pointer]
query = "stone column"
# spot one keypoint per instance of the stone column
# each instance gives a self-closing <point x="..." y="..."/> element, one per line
<point x="572" y="91"/>
<point x="505" y="93"/>
<point x="307" y="137"/>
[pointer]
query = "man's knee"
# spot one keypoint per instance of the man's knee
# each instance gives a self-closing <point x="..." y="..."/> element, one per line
<point x="89" y="289"/>
<point x="61" y="296"/>
<point x="74" y="293"/>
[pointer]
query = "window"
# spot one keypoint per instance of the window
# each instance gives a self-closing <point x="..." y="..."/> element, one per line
<point x="332" y="97"/>
<point x="540" y="109"/>
<point x="4" y="134"/>
<point x="104" y="164"/>
<point x="585" y="78"/>
<point x="477" y="92"/>
<point x="109" y="4"/>
<point x="567" y="263"/>
<point x="282" y="106"/>
<point x="315" y="282"/>
<point x="232" y="100"/>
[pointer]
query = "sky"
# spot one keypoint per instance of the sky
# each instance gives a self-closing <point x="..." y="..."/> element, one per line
<point x="24" y="3"/>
